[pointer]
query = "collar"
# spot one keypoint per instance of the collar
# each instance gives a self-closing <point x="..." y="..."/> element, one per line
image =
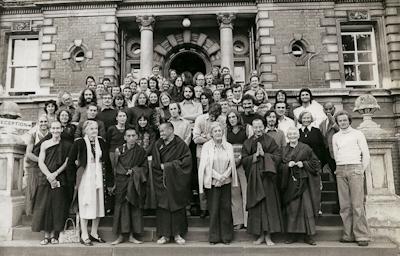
<point x="308" y="128"/>
<point x="178" y="118"/>
<point x="348" y="130"/>
<point x="223" y="144"/>
<point x="273" y="129"/>
<point x="186" y="102"/>
<point x="237" y="101"/>
<point x="104" y="108"/>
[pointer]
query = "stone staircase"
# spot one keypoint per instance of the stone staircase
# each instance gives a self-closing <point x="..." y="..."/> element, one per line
<point x="25" y="242"/>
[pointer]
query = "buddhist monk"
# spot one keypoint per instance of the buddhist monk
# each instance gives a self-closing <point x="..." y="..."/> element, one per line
<point x="172" y="164"/>
<point x="261" y="157"/>
<point x="130" y="187"/>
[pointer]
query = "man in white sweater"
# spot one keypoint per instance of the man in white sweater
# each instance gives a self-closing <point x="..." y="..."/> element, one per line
<point x="352" y="158"/>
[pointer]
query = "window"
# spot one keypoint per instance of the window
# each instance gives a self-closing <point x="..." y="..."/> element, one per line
<point x="23" y="64"/>
<point x="359" y="56"/>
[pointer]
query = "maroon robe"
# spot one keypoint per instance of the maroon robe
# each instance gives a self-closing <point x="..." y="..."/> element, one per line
<point x="301" y="189"/>
<point x="263" y="202"/>
<point x="49" y="212"/>
<point x="130" y="189"/>
<point x="172" y="185"/>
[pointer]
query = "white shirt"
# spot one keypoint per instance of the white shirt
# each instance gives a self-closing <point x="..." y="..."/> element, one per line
<point x="284" y="125"/>
<point x="316" y="110"/>
<point x="350" y="147"/>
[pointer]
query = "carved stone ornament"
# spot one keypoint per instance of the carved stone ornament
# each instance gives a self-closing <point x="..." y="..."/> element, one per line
<point x="225" y="20"/>
<point x="146" y="22"/>
<point x="358" y="15"/>
<point x="366" y="105"/>
<point x="22" y="26"/>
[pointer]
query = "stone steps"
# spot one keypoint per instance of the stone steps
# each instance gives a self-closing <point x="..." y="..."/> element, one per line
<point x="199" y="234"/>
<point x="195" y="221"/>
<point x="32" y="248"/>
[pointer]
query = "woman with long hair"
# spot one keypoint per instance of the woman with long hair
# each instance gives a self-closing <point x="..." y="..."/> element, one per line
<point x="162" y="112"/>
<point x="119" y="102"/>
<point x="205" y="100"/>
<point x="176" y="91"/>
<point x="50" y="108"/>
<point x="141" y="108"/>
<point x="236" y="134"/>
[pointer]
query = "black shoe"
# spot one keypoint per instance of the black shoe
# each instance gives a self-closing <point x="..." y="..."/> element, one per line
<point x="346" y="241"/>
<point x="362" y="243"/>
<point x="87" y="242"/>
<point x="291" y="239"/>
<point x="203" y="214"/>
<point x="309" y="240"/>
<point x="98" y="239"/>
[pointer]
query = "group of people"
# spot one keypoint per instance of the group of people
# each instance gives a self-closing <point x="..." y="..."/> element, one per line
<point x="187" y="145"/>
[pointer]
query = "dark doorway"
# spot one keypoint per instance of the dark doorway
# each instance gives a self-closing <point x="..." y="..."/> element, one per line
<point x="188" y="61"/>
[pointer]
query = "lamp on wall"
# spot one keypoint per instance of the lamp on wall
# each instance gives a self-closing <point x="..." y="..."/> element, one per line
<point x="186" y="22"/>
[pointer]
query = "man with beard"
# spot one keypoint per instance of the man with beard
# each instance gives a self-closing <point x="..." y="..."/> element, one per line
<point x="260" y="158"/>
<point x="308" y="103"/>
<point x="190" y="109"/>
<point x="172" y="165"/>
<point x="248" y="107"/>
<point x="130" y="178"/>
<point x="87" y="97"/>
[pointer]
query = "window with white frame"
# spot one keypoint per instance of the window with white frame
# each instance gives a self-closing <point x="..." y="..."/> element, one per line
<point x="359" y="56"/>
<point x="23" y="64"/>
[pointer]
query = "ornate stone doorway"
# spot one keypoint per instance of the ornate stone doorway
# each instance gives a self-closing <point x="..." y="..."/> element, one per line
<point x="187" y="52"/>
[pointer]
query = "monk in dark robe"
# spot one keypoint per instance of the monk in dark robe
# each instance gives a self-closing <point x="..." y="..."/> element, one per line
<point x="260" y="158"/>
<point x="49" y="206"/>
<point x="172" y="164"/>
<point x="130" y="186"/>
<point x="301" y="188"/>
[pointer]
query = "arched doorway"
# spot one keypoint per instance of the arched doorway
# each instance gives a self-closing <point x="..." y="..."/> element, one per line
<point x="188" y="61"/>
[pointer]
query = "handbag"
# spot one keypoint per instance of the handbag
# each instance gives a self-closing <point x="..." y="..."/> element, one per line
<point x="68" y="236"/>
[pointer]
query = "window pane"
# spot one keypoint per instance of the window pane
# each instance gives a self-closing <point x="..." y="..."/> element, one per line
<point x="363" y="42"/>
<point x="348" y="42"/>
<point x="348" y="57"/>
<point x="350" y="73"/>
<point x="25" y="79"/>
<point x="365" y="57"/>
<point x="366" y="72"/>
<point x="26" y="52"/>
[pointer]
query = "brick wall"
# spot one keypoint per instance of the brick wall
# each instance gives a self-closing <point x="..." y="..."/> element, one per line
<point x="306" y="24"/>
<point x="87" y="29"/>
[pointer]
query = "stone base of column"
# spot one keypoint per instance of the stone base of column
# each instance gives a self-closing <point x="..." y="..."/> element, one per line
<point x="12" y="208"/>
<point x="383" y="216"/>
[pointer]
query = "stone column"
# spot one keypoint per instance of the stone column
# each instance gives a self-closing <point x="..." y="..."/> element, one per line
<point x="12" y="151"/>
<point x="225" y="21"/>
<point x="146" y="24"/>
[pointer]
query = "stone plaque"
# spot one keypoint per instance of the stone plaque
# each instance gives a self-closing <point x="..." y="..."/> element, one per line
<point x="22" y="26"/>
<point x="359" y="15"/>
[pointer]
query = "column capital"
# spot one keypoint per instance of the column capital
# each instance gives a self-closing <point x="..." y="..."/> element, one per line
<point x="225" y="20"/>
<point x="145" y="22"/>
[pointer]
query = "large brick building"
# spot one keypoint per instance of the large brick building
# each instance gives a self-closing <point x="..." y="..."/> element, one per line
<point x="341" y="48"/>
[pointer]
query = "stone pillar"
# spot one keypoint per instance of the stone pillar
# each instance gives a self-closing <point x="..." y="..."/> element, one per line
<point x="392" y="20"/>
<point x="225" y="21"/>
<point x="382" y="205"/>
<point x="12" y="151"/>
<point x="146" y="24"/>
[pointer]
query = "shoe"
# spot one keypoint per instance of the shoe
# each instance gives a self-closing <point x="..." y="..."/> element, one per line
<point x="162" y="240"/>
<point x="238" y="227"/>
<point x="98" y="239"/>
<point x="213" y="243"/>
<point x="134" y="240"/>
<point x="54" y="240"/>
<point x="309" y="240"/>
<point x="119" y="240"/>
<point x="86" y="242"/>
<point x="346" y="241"/>
<point x="179" y="240"/>
<point x="259" y="240"/>
<point x="226" y="243"/>
<point x="45" y="241"/>
<point x="203" y="214"/>
<point x="362" y="243"/>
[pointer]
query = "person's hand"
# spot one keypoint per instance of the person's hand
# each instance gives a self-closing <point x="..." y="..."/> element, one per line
<point x="129" y="172"/>
<point x="260" y="150"/>
<point x="331" y="118"/>
<point x="117" y="152"/>
<point x="291" y="164"/>
<point x="162" y="167"/>
<point x="51" y="177"/>
<point x="111" y="190"/>
<point x="53" y="183"/>
<point x="300" y="164"/>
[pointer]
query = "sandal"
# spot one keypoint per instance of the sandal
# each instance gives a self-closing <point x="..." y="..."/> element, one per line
<point x="54" y="240"/>
<point x="45" y="241"/>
